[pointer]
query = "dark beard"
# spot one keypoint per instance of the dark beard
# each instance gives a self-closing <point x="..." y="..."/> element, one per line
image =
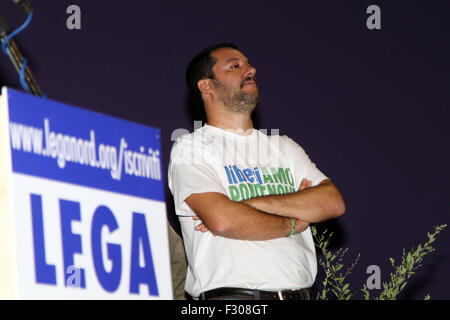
<point x="236" y="101"/>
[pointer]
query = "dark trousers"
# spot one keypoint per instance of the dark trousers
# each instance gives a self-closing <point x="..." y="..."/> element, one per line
<point x="255" y="294"/>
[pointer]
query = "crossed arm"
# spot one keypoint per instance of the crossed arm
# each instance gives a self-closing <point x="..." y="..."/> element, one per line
<point x="310" y="204"/>
<point x="267" y="217"/>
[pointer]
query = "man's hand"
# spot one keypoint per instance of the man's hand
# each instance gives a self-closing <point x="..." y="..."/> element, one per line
<point x="305" y="184"/>
<point x="300" y="225"/>
<point x="201" y="227"/>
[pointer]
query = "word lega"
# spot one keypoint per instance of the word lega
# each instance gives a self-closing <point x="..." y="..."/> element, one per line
<point x="102" y="217"/>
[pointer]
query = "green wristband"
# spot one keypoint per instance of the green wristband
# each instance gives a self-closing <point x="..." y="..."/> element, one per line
<point x="293" y="227"/>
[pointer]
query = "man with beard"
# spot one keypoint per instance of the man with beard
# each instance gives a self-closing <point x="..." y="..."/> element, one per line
<point x="244" y="199"/>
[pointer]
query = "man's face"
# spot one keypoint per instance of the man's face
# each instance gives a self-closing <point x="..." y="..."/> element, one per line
<point x="235" y="82"/>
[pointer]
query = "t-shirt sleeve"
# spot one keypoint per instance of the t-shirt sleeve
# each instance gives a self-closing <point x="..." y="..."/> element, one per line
<point x="303" y="167"/>
<point x="188" y="174"/>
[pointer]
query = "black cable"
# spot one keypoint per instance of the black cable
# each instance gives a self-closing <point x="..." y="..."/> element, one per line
<point x="19" y="62"/>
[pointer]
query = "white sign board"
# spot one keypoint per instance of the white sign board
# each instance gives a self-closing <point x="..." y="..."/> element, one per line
<point x="82" y="204"/>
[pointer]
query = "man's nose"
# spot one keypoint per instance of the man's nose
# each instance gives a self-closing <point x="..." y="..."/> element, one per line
<point x="250" y="71"/>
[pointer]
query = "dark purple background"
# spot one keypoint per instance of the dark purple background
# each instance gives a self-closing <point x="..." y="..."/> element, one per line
<point x="369" y="107"/>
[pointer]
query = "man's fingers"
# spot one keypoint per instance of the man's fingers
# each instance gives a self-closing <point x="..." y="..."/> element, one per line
<point x="199" y="227"/>
<point x="305" y="184"/>
<point x="202" y="227"/>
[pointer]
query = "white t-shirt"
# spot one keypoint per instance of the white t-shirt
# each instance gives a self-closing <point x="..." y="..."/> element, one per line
<point x="241" y="167"/>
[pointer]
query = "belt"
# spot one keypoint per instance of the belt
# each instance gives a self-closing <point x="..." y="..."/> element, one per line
<point x="255" y="294"/>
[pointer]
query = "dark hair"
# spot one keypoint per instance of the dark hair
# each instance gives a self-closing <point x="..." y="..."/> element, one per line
<point x="200" y="68"/>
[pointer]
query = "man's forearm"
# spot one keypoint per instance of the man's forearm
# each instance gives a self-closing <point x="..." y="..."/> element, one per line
<point x="312" y="205"/>
<point x="247" y="223"/>
<point x="237" y="220"/>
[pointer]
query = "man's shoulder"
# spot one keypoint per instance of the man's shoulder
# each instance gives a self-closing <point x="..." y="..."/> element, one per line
<point x="196" y="138"/>
<point x="288" y="144"/>
<point x="285" y="140"/>
<point x="192" y="144"/>
<point x="288" y="141"/>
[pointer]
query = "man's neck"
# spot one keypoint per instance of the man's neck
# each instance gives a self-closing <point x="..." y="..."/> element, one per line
<point x="237" y="122"/>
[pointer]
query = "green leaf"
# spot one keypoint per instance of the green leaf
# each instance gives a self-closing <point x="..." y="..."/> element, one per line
<point x="403" y="286"/>
<point x="408" y="258"/>
<point x="392" y="261"/>
<point x="335" y="293"/>
<point x="366" y="293"/>
<point x="338" y="267"/>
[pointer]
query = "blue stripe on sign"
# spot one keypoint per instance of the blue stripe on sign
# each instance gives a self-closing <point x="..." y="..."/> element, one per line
<point x="60" y="142"/>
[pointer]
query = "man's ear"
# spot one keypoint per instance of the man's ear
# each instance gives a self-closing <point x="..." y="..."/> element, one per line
<point x="205" y="86"/>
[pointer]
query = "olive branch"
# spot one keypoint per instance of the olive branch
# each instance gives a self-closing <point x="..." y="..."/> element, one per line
<point x="332" y="264"/>
<point x="335" y="280"/>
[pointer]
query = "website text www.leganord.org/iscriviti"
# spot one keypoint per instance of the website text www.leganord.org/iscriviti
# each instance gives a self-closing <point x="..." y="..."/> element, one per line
<point x="71" y="149"/>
